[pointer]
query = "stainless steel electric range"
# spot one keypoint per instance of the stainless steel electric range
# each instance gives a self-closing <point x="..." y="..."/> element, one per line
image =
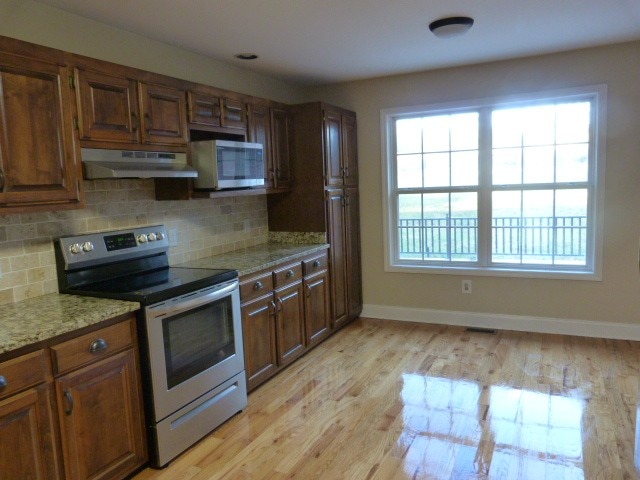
<point x="189" y="327"/>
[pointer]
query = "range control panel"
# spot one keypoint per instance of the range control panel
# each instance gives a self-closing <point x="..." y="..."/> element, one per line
<point x="106" y="247"/>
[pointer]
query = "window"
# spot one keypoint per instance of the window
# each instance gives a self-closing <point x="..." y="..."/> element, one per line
<point x="500" y="187"/>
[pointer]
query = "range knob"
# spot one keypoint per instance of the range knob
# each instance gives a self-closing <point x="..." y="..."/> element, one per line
<point x="151" y="237"/>
<point x="159" y="235"/>
<point x="142" y="238"/>
<point x="75" y="248"/>
<point x="87" y="246"/>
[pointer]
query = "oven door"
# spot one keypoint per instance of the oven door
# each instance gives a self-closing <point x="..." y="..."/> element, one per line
<point x="195" y="344"/>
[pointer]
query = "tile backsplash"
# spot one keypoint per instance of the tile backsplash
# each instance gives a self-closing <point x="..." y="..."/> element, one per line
<point x="201" y="227"/>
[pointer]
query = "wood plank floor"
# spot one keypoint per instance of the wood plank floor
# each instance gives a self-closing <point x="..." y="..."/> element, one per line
<point x="391" y="400"/>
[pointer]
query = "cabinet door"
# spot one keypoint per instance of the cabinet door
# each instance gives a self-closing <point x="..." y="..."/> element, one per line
<point x="317" y="312"/>
<point x="259" y="335"/>
<point x="290" y="322"/>
<point x="37" y="147"/>
<point x="353" y="267"/>
<point x="204" y="109"/>
<point x="107" y="107"/>
<point x="332" y="148"/>
<point x="336" y="233"/>
<point x="233" y="113"/>
<point x="259" y="132"/>
<point x="27" y="440"/>
<point x="101" y="419"/>
<point x="349" y="150"/>
<point x="280" y="147"/>
<point x="164" y="115"/>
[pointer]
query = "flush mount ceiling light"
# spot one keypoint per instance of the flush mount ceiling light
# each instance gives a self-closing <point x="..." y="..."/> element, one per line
<point x="246" y="56"/>
<point x="451" y="26"/>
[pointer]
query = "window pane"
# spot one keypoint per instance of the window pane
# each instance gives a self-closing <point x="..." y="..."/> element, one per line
<point x="538" y="164"/>
<point x="408" y="135"/>
<point x="505" y="229"/>
<point x="572" y="163"/>
<point x="572" y="122"/>
<point x="571" y="230"/>
<point x="464" y="131"/>
<point x="538" y="125"/>
<point x="436" y="133"/>
<point x="507" y="166"/>
<point x="436" y="170"/>
<point x="464" y="168"/>
<point x="506" y="128"/>
<point x="537" y="227"/>
<point x="464" y="227"/>
<point x="409" y="171"/>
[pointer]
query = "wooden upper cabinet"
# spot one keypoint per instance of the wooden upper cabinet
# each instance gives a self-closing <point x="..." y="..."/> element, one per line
<point x="107" y="107"/>
<point x="259" y="131"/>
<point x="38" y="164"/>
<point x="203" y="109"/>
<point x="280" y="147"/>
<point x="233" y="112"/>
<point x="163" y="114"/>
<point x="333" y="148"/>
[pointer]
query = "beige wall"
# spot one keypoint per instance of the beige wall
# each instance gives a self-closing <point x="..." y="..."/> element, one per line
<point x="44" y="25"/>
<point x="617" y="297"/>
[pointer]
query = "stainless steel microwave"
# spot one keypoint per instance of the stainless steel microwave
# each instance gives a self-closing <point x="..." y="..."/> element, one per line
<point x="226" y="164"/>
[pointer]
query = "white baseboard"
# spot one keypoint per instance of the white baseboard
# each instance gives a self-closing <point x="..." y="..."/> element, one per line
<point x="562" y="326"/>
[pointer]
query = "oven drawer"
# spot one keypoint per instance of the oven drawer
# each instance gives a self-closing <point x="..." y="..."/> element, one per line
<point x="91" y="347"/>
<point x="315" y="264"/>
<point x="288" y="274"/>
<point x="255" y="287"/>
<point x="22" y="372"/>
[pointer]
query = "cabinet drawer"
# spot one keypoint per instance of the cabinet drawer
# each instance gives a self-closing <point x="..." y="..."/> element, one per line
<point x="91" y="347"/>
<point x="22" y="372"/>
<point x="315" y="264"/>
<point x="288" y="274"/>
<point x="255" y="287"/>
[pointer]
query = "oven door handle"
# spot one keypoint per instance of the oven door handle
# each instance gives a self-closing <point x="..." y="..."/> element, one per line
<point x="185" y="305"/>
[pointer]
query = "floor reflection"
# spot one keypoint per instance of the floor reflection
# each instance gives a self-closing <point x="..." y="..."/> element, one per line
<point x="507" y="433"/>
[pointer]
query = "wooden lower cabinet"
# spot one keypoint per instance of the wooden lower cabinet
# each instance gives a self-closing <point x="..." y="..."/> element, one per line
<point x="290" y="322"/>
<point x="28" y="447"/>
<point x="100" y="419"/>
<point x="285" y="312"/>
<point x="259" y="334"/>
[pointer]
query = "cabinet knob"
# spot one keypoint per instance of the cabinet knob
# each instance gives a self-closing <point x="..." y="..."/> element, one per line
<point x="289" y="273"/>
<point x="98" y="345"/>
<point x="258" y="285"/>
<point x="316" y="264"/>
<point x="134" y="122"/>
<point x="147" y="117"/>
<point x="3" y="382"/>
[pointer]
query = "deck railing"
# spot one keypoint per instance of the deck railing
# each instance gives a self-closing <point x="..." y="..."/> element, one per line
<point x="530" y="236"/>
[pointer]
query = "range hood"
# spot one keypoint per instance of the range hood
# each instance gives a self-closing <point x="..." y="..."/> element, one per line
<point x="103" y="163"/>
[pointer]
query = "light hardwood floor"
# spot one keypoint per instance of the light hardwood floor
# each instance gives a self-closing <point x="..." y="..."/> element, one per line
<point x="391" y="400"/>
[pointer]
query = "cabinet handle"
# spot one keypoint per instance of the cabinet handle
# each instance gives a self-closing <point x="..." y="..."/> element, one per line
<point x="258" y="285"/>
<point x="2" y="180"/>
<point x="280" y="303"/>
<point x="3" y="382"/>
<point x="69" y="398"/>
<point x="308" y="287"/>
<point x="134" y="122"/>
<point x="346" y="171"/>
<point x="272" y="305"/>
<point x="147" y="117"/>
<point x="98" y="345"/>
<point x="289" y="273"/>
<point x="316" y="264"/>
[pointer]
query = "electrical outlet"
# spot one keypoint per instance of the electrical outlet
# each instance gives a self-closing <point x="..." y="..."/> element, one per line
<point x="466" y="286"/>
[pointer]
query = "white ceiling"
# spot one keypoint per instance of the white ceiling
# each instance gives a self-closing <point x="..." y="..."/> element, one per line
<point x="326" y="41"/>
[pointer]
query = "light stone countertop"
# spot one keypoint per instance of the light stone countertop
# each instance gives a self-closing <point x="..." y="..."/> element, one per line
<point x="45" y="317"/>
<point x="253" y="259"/>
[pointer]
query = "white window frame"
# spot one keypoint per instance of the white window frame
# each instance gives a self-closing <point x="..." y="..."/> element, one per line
<point x="593" y="268"/>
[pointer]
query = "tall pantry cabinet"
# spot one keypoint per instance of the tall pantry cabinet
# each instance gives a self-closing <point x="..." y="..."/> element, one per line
<point x="324" y="196"/>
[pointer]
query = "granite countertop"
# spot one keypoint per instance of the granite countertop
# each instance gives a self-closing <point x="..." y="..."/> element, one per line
<point x="253" y="259"/>
<point x="42" y="318"/>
